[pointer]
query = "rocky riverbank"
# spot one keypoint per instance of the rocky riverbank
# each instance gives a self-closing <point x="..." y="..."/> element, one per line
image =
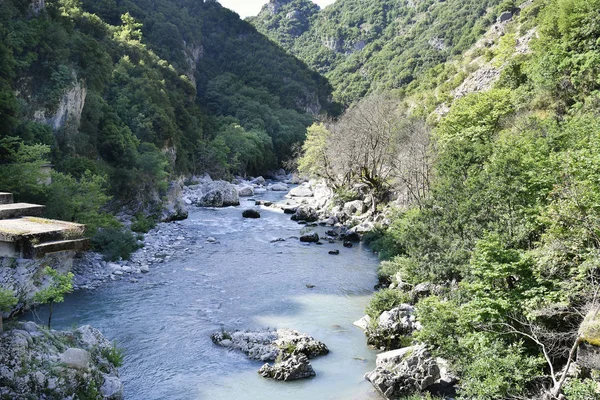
<point x="47" y="364"/>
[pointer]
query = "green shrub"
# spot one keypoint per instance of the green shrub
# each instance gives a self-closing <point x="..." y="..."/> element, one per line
<point x="496" y="371"/>
<point x="115" y="355"/>
<point x="385" y="300"/>
<point x="114" y="243"/>
<point x="142" y="223"/>
<point x="577" y="389"/>
<point x="403" y="265"/>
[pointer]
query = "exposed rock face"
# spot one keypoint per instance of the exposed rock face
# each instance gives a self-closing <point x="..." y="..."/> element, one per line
<point x="505" y="16"/>
<point x="212" y="194"/>
<point x="37" y="6"/>
<point x="479" y="81"/>
<point x="392" y="326"/>
<point x="56" y="365"/>
<point x="403" y="372"/>
<point x="71" y="106"/>
<point x="21" y="276"/>
<point x="174" y="209"/>
<point x="267" y="345"/>
<point x="293" y="368"/>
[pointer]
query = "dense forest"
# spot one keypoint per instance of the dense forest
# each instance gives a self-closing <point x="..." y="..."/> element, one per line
<point x="123" y="96"/>
<point x="499" y="249"/>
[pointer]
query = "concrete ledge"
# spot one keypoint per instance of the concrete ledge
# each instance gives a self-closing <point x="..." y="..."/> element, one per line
<point x="40" y="250"/>
<point x="16" y="210"/>
<point x="6" y="198"/>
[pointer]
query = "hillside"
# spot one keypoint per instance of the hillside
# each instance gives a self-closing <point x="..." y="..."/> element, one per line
<point x="144" y="90"/>
<point x="488" y="164"/>
<point x="373" y="45"/>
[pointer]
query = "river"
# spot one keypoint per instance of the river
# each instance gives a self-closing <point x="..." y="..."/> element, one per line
<point x="163" y="322"/>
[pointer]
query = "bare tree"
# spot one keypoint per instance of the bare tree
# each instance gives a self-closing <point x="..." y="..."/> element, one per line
<point x="374" y="143"/>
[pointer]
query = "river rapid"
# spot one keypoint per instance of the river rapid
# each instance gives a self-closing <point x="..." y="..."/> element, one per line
<point x="242" y="281"/>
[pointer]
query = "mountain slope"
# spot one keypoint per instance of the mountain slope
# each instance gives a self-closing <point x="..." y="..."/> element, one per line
<point x="140" y="90"/>
<point x="370" y="45"/>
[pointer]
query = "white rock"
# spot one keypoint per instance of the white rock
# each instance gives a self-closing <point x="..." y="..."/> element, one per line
<point x="76" y="358"/>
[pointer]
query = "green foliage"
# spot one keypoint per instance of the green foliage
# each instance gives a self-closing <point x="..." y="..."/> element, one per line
<point x="80" y="201"/>
<point x="496" y="371"/>
<point x="114" y="243"/>
<point x="54" y="292"/>
<point x="385" y="300"/>
<point x="60" y="284"/>
<point x="363" y="46"/>
<point x="581" y="389"/>
<point x="115" y="355"/>
<point x="7" y="300"/>
<point x="142" y="223"/>
<point x="164" y="82"/>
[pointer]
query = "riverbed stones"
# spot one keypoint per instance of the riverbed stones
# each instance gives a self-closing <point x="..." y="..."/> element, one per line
<point x="404" y="372"/>
<point x="296" y="366"/>
<point x="312" y="237"/>
<point x="334" y="252"/>
<point x="251" y="213"/>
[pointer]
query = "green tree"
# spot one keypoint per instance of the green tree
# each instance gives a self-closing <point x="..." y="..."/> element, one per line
<point x="7" y="301"/>
<point x="59" y="285"/>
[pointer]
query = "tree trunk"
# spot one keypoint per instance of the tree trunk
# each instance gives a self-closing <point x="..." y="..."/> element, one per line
<point x="557" y="389"/>
<point x="1" y="326"/>
<point x="50" y="314"/>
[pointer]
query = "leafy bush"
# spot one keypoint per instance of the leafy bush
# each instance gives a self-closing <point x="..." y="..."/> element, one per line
<point x="385" y="300"/>
<point x="578" y="389"/>
<point x="142" y="223"/>
<point x="114" y="243"/>
<point x="496" y="371"/>
<point x="115" y="355"/>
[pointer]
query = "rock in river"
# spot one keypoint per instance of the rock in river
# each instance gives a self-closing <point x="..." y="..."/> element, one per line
<point x="310" y="238"/>
<point x="294" y="367"/>
<point x="268" y="344"/>
<point x="250" y="213"/>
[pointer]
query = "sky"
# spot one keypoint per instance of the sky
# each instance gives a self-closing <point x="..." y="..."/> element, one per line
<point x="247" y="8"/>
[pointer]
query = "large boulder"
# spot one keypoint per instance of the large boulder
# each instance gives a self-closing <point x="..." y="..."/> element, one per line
<point x="392" y="327"/>
<point x="354" y="207"/>
<point x="301" y="191"/>
<point x="245" y="190"/>
<point x="258" y="181"/>
<point x="278" y="187"/>
<point x="305" y="213"/>
<point x="219" y="194"/>
<point x="293" y="368"/>
<point x="404" y="372"/>
<point x="268" y="344"/>
<point x="174" y="208"/>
